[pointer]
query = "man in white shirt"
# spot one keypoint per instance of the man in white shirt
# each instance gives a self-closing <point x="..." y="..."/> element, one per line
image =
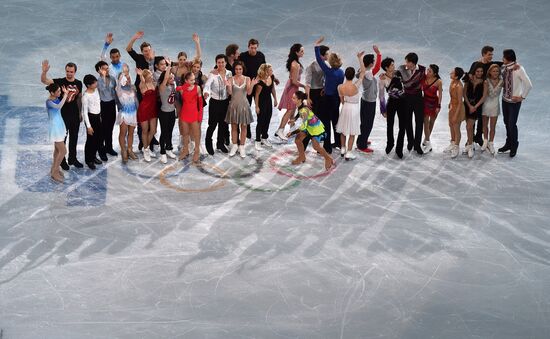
<point x="91" y="109"/>
<point x="216" y="89"/>
<point x="516" y="87"/>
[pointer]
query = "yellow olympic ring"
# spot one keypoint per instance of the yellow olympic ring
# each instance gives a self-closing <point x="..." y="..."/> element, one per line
<point x="211" y="188"/>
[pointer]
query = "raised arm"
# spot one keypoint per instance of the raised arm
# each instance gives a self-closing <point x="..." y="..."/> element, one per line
<point x="44" y="76"/>
<point x="250" y="83"/>
<point x="130" y="46"/>
<point x="108" y="42"/>
<point x="162" y="85"/>
<point x="378" y="61"/>
<point x="362" y="68"/>
<point x="318" y="57"/>
<point x="198" y="51"/>
<point x="139" y="73"/>
<point x="63" y="100"/>
<point x="118" y="87"/>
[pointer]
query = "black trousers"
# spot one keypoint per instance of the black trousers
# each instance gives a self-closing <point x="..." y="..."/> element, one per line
<point x="316" y="98"/>
<point x="510" y="113"/>
<point x="167" y="121"/>
<point x="392" y="107"/>
<point x="262" y="125"/>
<point x="415" y="105"/>
<point x="108" y="117"/>
<point x="93" y="142"/>
<point x="217" y="109"/>
<point x="368" y="110"/>
<point x="72" y="123"/>
<point x="329" y="111"/>
<point x="405" y="122"/>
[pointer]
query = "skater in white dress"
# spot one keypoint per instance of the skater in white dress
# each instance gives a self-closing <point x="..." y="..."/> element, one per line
<point x="349" y="122"/>
<point x="491" y="107"/>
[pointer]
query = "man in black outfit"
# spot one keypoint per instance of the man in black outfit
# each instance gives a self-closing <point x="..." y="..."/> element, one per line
<point x="412" y="75"/>
<point x="252" y="59"/>
<point x="71" y="110"/>
<point x="145" y="60"/>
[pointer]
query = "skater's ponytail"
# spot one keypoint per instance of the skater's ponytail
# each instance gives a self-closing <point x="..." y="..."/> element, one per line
<point x="435" y="70"/>
<point x="301" y="96"/>
<point x="52" y="88"/>
<point x="459" y="74"/>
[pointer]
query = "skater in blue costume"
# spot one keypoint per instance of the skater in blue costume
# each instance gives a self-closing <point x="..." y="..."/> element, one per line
<point x="57" y="129"/>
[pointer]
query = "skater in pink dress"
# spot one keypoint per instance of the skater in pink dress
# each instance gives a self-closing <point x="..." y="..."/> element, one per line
<point x="293" y="84"/>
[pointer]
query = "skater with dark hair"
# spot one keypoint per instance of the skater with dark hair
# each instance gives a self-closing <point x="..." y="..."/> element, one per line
<point x="294" y="68"/>
<point x="412" y="76"/>
<point x="56" y="127"/>
<point x="70" y="111"/>
<point x="91" y="110"/>
<point x="516" y="87"/>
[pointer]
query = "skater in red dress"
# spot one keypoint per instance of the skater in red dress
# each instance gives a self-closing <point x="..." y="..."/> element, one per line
<point x="432" y="87"/>
<point x="190" y="115"/>
<point x="147" y="111"/>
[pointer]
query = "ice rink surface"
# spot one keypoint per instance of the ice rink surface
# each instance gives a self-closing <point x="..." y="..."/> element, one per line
<point x="424" y="247"/>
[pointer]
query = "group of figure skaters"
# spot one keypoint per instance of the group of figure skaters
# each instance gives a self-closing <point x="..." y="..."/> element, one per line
<point x="332" y="103"/>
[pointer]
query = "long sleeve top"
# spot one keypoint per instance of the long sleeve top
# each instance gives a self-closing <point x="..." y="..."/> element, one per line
<point x="333" y="76"/>
<point x="393" y="87"/>
<point x="91" y="104"/>
<point x="515" y="82"/>
<point x="215" y="86"/>
<point x="370" y="86"/>
<point x="106" y="88"/>
<point x="412" y="79"/>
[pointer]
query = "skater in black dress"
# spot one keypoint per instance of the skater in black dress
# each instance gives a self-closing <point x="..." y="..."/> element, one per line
<point x="264" y="105"/>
